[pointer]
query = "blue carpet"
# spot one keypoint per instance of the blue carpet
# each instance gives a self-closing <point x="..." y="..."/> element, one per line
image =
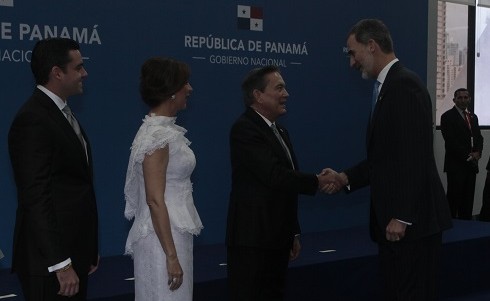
<point x="335" y="265"/>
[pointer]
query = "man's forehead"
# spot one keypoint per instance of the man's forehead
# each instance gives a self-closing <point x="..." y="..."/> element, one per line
<point x="274" y="76"/>
<point x="351" y="39"/>
<point x="462" y="92"/>
<point x="351" y="44"/>
<point x="274" y="79"/>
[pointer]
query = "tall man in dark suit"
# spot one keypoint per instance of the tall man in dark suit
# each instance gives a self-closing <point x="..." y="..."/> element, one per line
<point x="263" y="230"/>
<point x="464" y="144"/>
<point x="408" y="208"/>
<point x="55" y="239"/>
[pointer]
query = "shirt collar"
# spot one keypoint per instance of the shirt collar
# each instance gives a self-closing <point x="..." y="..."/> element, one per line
<point x="382" y="75"/>
<point x="269" y="123"/>
<point x="461" y="112"/>
<point x="55" y="98"/>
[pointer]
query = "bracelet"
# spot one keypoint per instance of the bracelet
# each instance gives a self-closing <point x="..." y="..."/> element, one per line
<point x="64" y="269"/>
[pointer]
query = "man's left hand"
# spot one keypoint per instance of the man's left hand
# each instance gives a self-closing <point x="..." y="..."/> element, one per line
<point x="395" y="230"/>
<point x="295" y="250"/>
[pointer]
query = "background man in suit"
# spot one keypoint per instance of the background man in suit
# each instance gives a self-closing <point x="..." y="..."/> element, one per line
<point x="263" y="228"/>
<point x="55" y="239"/>
<point x="464" y="144"/>
<point x="408" y="207"/>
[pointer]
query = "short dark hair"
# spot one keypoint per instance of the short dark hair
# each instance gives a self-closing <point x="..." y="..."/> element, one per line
<point x="255" y="79"/>
<point x="49" y="53"/>
<point x="460" y="90"/>
<point x="374" y="29"/>
<point x="161" y="78"/>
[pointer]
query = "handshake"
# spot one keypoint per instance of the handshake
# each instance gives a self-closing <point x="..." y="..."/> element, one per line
<point x="330" y="181"/>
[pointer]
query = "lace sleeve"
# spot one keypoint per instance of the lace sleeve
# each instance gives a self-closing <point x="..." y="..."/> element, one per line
<point x="147" y="140"/>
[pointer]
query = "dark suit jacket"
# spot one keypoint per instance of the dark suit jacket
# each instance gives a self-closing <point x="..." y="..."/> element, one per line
<point x="264" y="193"/>
<point x="400" y="164"/>
<point x="457" y="137"/>
<point x="56" y="215"/>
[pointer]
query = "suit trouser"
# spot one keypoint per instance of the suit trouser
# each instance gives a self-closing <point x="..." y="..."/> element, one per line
<point x="485" y="209"/>
<point x="45" y="288"/>
<point x="411" y="268"/>
<point x="257" y="274"/>
<point x="460" y="193"/>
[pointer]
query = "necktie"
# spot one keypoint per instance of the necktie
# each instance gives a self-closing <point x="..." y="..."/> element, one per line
<point x="467" y="118"/>
<point x="375" y="95"/>
<point x="283" y="144"/>
<point x="74" y="124"/>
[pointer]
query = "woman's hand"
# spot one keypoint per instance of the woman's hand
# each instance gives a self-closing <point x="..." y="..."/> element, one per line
<point x="175" y="273"/>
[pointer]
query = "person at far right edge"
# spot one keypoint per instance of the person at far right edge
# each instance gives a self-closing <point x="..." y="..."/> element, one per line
<point x="485" y="208"/>
<point x="464" y="144"/>
<point x="409" y="210"/>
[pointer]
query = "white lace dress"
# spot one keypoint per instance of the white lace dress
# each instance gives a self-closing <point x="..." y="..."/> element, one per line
<point x="150" y="270"/>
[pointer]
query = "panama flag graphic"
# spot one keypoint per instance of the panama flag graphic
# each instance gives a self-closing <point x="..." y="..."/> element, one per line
<point x="7" y="3"/>
<point x="250" y="18"/>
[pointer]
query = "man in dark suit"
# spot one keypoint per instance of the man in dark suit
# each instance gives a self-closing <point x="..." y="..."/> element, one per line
<point x="464" y="144"/>
<point x="55" y="239"/>
<point x="263" y="230"/>
<point x="408" y="208"/>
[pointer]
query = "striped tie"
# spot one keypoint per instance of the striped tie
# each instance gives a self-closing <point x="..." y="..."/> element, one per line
<point x="283" y="144"/>
<point x="74" y="124"/>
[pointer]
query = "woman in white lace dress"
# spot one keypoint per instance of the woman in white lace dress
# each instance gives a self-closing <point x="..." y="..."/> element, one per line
<point x="158" y="189"/>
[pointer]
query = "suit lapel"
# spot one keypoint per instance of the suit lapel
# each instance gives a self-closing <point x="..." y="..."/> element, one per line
<point x="461" y="121"/>
<point x="62" y="123"/>
<point x="395" y="68"/>
<point x="275" y="144"/>
<point x="285" y="137"/>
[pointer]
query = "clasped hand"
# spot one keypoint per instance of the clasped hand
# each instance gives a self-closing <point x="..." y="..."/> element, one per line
<point x="474" y="156"/>
<point x="330" y="181"/>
